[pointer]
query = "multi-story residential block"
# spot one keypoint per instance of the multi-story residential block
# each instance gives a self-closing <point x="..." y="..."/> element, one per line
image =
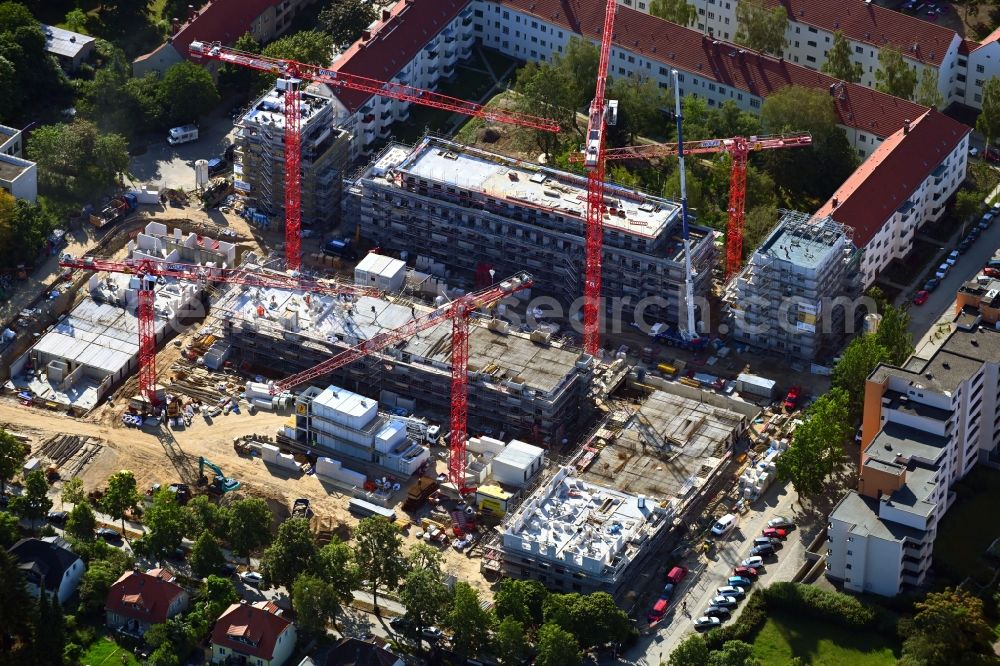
<point x="793" y="296"/>
<point x="220" y="21"/>
<point x="901" y="187"/>
<point x="925" y="426"/>
<point x="475" y="211"/>
<point x="416" y="43"/>
<point x="260" y="157"/>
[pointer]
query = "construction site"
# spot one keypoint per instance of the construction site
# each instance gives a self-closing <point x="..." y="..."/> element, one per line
<point x="404" y="380"/>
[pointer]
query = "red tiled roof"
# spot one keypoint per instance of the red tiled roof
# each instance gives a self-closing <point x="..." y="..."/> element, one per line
<point x="220" y="21"/>
<point x="255" y="624"/>
<point x="968" y="46"/>
<point x="889" y="176"/>
<point x="143" y="596"/>
<point x="992" y="37"/>
<point x="725" y="63"/>
<point x="875" y="25"/>
<point x="394" y="42"/>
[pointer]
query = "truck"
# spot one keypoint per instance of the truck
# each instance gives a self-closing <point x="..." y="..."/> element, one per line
<point x="182" y="134"/>
<point x="672" y="337"/>
<point x="115" y="211"/>
<point x="419" y="492"/>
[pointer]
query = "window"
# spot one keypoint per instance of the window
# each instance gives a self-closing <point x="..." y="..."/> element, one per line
<point x="980" y="69"/>
<point x="813" y="30"/>
<point x="810" y="59"/>
<point x="858" y="49"/>
<point x="755" y="103"/>
<point x="811" y="43"/>
<point x="534" y="24"/>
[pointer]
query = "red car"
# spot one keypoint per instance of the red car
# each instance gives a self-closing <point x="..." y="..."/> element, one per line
<point x="921" y="297"/>
<point x="746" y="572"/>
<point x="989" y="271"/>
<point x="792" y="399"/>
<point x="775" y="532"/>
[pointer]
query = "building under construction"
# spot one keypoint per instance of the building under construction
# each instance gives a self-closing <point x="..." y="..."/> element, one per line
<point x="796" y="295"/>
<point x="526" y="387"/>
<point x="260" y="157"/>
<point x="467" y="212"/>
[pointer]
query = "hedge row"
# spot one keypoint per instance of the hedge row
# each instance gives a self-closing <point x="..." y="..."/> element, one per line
<point x="811" y="601"/>
<point x="745" y="627"/>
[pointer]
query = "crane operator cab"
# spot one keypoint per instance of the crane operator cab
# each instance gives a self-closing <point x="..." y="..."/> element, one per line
<point x="594" y="135"/>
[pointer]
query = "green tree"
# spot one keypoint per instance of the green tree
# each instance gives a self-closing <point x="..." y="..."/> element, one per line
<point x="171" y="641"/>
<point x="733" y="653"/>
<point x="76" y="159"/>
<point x="580" y="61"/>
<point x="33" y="504"/>
<point x="761" y="28"/>
<point x="522" y="600"/>
<point x="315" y="603"/>
<point x="206" y="556"/>
<point x="81" y="522"/>
<point x="425" y="598"/>
<point x="839" y="64"/>
<point x="345" y="20"/>
<point x="292" y="552"/>
<point x="424" y="556"/>
<point x="14" y="600"/>
<point x="695" y="188"/>
<point x="813" y="173"/>
<point x="10" y="531"/>
<point x="948" y="628"/>
<point x="240" y="79"/>
<point x="308" y="46"/>
<point x="186" y="93"/>
<point x="509" y="643"/>
<point x="757" y="226"/>
<point x="12" y="456"/>
<point x="861" y="356"/>
<point x="50" y="631"/>
<point x="166" y="522"/>
<point x="817" y="448"/>
<point x="988" y="122"/>
<point x="597" y="620"/>
<point x="927" y="89"/>
<point x="557" y="647"/>
<point x="73" y="491"/>
<point x="76" y="20"/>
<point x="967" y="203"/>
<point x="31" y="79"/>
<point x="121" y="496"/>
<point x="378" y="544"/>
<point x="216" y="595"/>
<point x="675" y="11"/>
<point x="894" y="75"/>
<point x="335" y="564"/>
<point x="692" y="651"/>
<point x="469" y="622"/>
<point x="546" y="91"/>
<point x="204" y="515"/>
<point x="96" y="582"/>
<point x="178" y="9"/>
<point x="640" y="104"/>
<point x="249" y="525"/>
<point x="893" y="334"/>
<point x="24" y="227"/>
<point x="142" y="102"/>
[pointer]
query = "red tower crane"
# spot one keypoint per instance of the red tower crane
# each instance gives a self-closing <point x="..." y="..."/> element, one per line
<point x="459" y="312"/>
<point x="292" y="73"/>
<point x="601" y="115"/>
<point x="739" y="148"/>
<point x="146" y="269"/>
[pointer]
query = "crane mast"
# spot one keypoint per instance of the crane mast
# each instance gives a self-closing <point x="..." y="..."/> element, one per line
<point x="686" y="231"/>
<point x="601" y="115"/>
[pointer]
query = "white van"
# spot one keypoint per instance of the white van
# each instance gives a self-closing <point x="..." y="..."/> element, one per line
<point x="726" y="523"/>
<point x="182" y="134"/>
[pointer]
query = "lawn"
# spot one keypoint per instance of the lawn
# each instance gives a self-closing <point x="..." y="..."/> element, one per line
<point x="106" y="651"/>
<point x="821" y="644"/>
<point x="969" y="527"/>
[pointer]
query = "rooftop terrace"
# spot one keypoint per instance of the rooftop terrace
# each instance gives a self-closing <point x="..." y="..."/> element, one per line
<point x="804" y="242"/>
<point x="270" y="109"/>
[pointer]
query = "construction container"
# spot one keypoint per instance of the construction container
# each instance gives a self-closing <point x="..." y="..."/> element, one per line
<point x="755" y="385"/>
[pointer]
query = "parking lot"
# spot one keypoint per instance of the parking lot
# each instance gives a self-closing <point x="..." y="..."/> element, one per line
<point x="709" y="572"/>
<point x="173" y="166"/>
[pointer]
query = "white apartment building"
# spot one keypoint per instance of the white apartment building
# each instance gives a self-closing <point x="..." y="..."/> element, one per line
<point x="416" y="43"/>
<point x="711" y="68"/>
<point x="18" y="176"/>
<point x="925" y="426"/>
<point x="963" y="65"/>
<point x="900" y="187"/>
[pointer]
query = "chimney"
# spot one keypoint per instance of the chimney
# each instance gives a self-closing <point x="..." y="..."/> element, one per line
<point x="366" y="35"/>
<point x="836" y="202"/>
<point x="175" y="25"/>
<point x="906" y="126"/>
<point x="192" y="12"/>
<point x="385" y="15"/>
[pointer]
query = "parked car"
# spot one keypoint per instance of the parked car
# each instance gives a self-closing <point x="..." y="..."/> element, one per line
<point x="989" y="271"/>
<point x="431" y="633"/>
<point x="108" y="534"/>
<point x="964" y="246"/>
<point x="952" y="258"/>
<point x="746" y="572"/>
<point x="58" y="517"/>
<point x="792" y="399"/>
<point x="658" y="610"/>
<point x="676" y="574"/>
<point x="731" y="591"/>
<point x="724" y="524"/>
<point x="719" y="612"/>
<point x="775" y="532"/>
<point x="739" y="581"/>
<point x="705" y="623"/>
<point x="252" y="578"/>
<point x="781" y="521"/>
<point x="931" y="285"/>
<point x="767" y="541"/>
<point x="762" y="550"/>
<point x="399" y="624"/>
<point x="921" y="297"/>
<point x="754" y="562"/>
<point x="724" y="601"/>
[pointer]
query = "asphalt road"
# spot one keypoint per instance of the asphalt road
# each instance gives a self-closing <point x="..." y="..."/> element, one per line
<point x="706" y="574"/>
<point x="970" y="263"/>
